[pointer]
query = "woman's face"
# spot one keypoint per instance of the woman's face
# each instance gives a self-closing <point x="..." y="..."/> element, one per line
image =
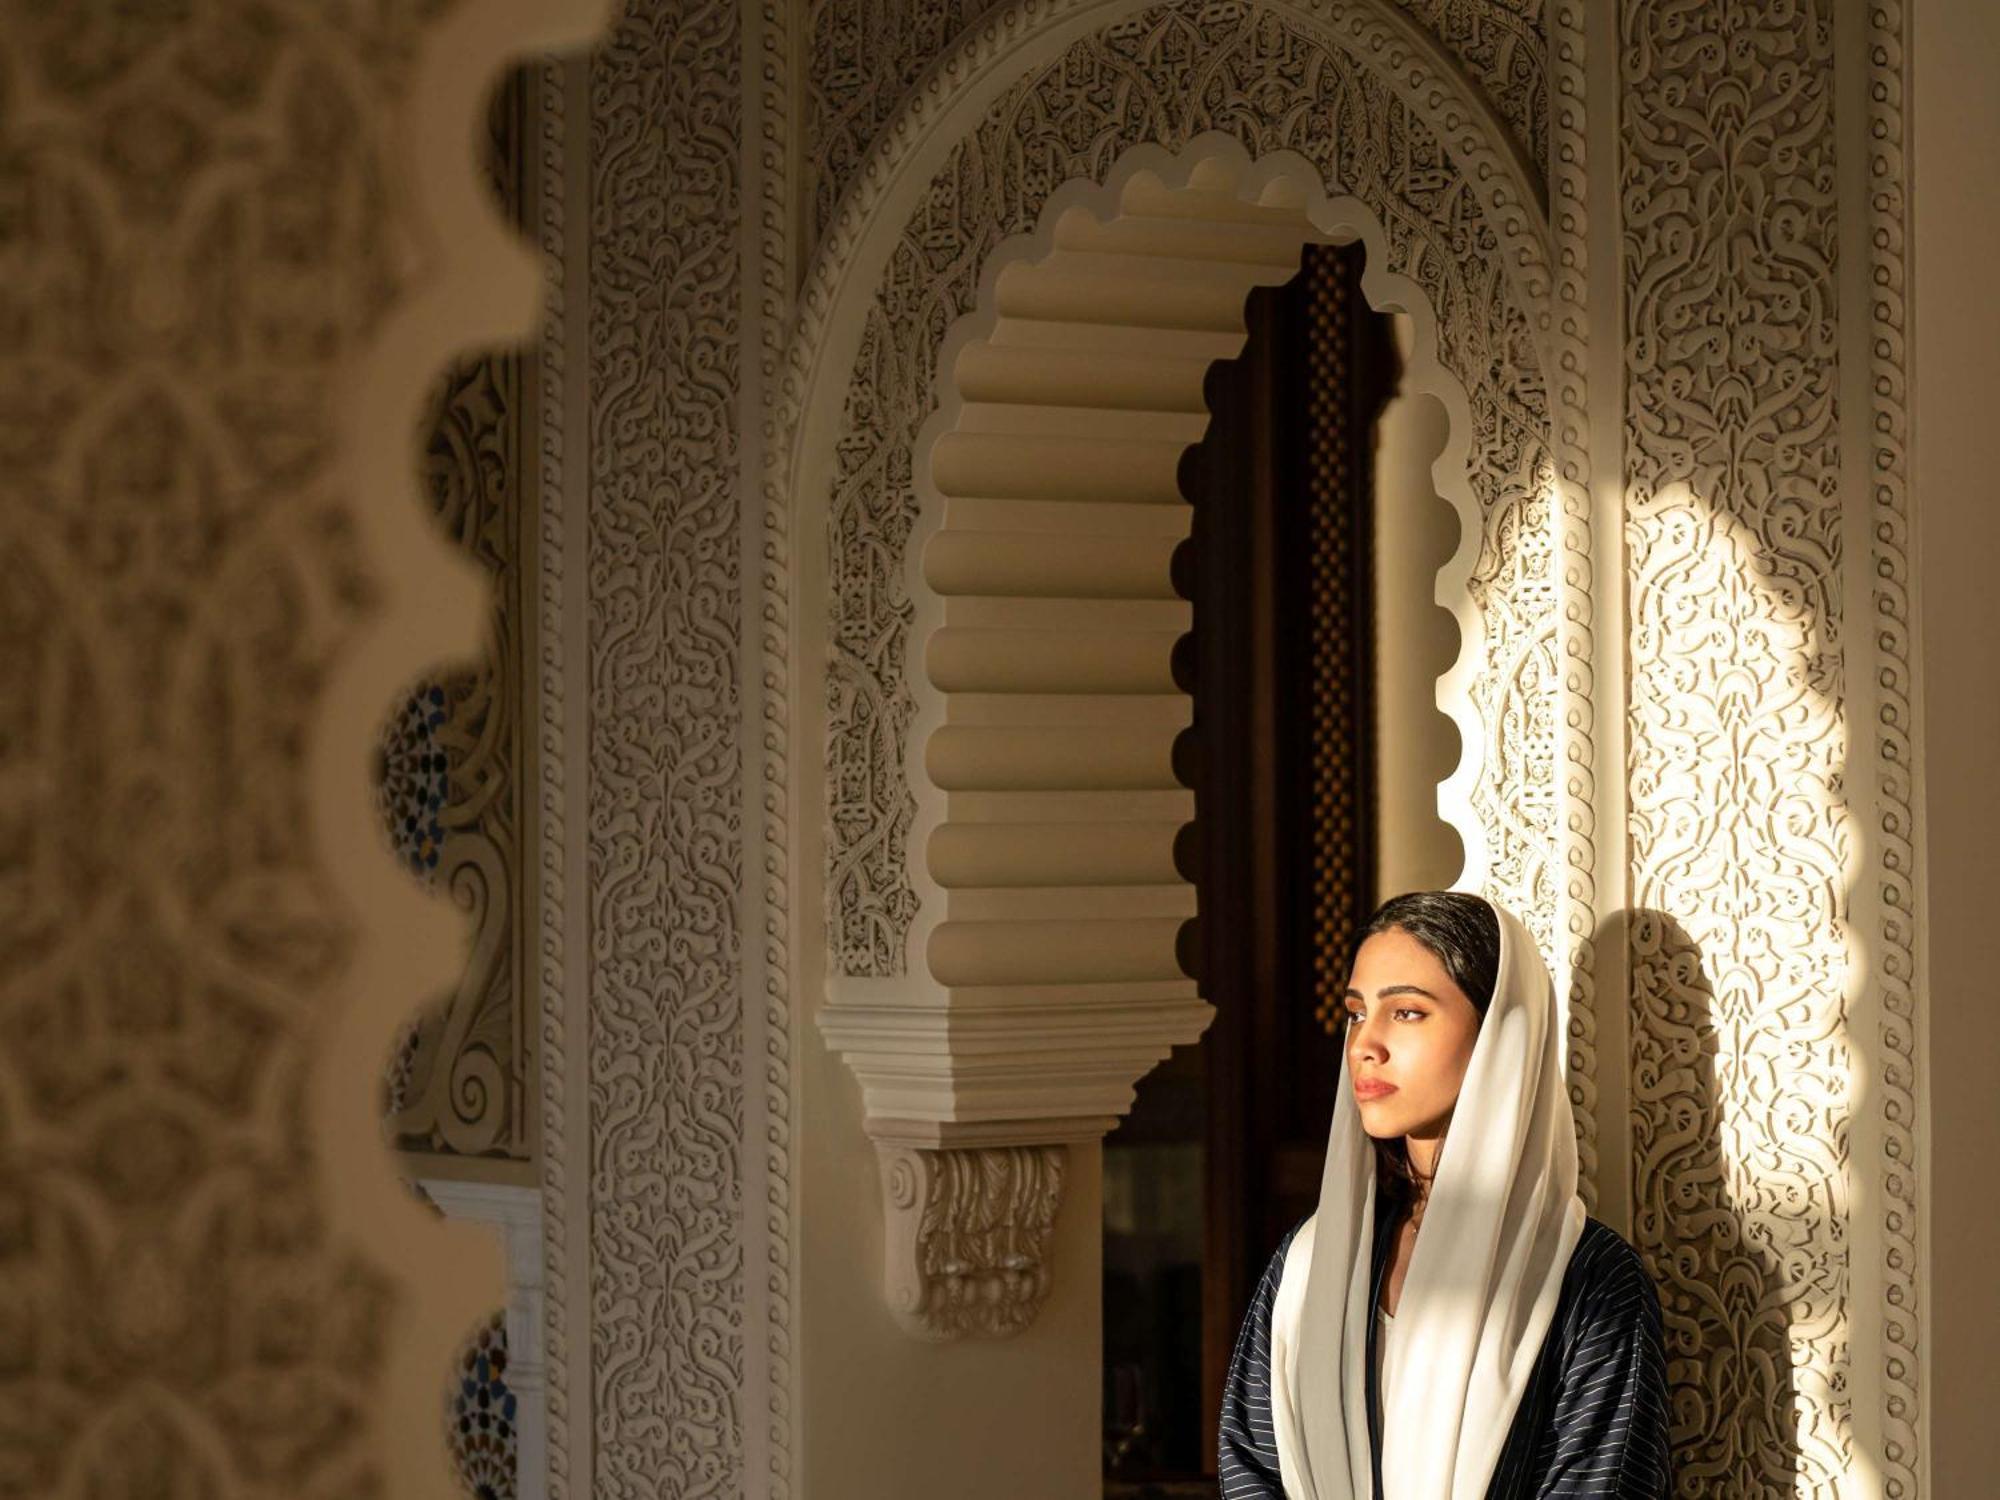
<point x="1410" y="1035"/>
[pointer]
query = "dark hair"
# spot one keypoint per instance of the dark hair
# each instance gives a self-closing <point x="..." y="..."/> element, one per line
<point x="1462" y="933"/>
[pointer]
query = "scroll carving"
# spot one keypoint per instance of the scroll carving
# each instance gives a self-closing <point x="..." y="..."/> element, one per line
<point x="968" y="1236"/>
<point x="1741" y="1067"/>
<point x="452" y="756"/>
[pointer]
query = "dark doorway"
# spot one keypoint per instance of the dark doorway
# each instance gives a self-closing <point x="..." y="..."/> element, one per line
<point x="1222" y="1151"/>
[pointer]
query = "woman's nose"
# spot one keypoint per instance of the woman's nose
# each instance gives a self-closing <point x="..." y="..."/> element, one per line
<point x="1366" y="1043"/>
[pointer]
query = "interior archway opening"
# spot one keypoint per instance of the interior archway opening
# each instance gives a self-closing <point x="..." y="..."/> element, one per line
<point x="1076" y="743"/>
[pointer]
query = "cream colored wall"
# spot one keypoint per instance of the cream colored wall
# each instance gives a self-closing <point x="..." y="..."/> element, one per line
<point x="888" y="1416"/>
<point x="1416" y="641"/>
<point x="1956" y="323"/>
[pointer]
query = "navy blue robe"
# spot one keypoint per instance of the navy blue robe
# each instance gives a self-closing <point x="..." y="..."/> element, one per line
<point x="1592" y="1424"/>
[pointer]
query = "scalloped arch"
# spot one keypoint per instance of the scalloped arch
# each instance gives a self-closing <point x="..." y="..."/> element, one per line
<point x="1354" y="100"/>
<point x="968" y="559"/>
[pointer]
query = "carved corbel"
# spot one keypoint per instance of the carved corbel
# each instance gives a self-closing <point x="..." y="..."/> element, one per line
<point x="969" y="1232"/>
<point x="970" y="1217"/>
<point x="972" y="1108"/>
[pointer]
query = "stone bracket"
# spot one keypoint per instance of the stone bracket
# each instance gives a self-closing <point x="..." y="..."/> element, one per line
<point x="973" y="1107"/>
<point x="968" y="1236"/>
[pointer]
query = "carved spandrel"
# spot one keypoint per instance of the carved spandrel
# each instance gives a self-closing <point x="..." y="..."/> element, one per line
<point x="864" y="56"/>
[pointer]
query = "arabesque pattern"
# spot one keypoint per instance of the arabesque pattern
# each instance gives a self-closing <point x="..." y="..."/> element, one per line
<point x="1741" y="1061"/>
<point x="665" y="823"/>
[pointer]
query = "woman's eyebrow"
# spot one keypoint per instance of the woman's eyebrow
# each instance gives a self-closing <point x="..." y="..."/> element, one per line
<point x="1401" y="989"/>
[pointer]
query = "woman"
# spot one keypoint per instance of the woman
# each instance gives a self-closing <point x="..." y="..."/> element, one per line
<point x="1449" y="1325"/>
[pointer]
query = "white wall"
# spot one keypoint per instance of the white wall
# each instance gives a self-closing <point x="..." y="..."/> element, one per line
<point x="888" y="1416"/>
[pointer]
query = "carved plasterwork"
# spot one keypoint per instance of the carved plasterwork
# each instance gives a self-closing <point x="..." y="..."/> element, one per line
<point x="452" y="753"/>
<point x="685" y="1114"/>
<point x="1741" y="1061"/>
<point x="210" y="260"/>
<point x="772" y="184"/>
<point x="1586" y="767"/>
<point x="1891" y="744"/>
<point x="553" y="758"/>
<point x="664" y="839"/>
<point x="1503" y="45"/>
<point x="1281" y="79"/>
<point x="968" y="1236"/>
<point x="863" y="56"/>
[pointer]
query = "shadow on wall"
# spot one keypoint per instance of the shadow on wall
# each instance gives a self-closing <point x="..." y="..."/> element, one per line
<point x="1723" y="1289"/>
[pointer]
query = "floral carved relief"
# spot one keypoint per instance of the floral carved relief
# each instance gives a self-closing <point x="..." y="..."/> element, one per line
<point x="1741" y="1060"/>
<point x="864" y="56"/>
<point x="664" y="831"/>
<point x="1503" y="45"/>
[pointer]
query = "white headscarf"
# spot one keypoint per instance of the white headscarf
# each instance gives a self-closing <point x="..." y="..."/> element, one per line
<point x="1482" y="1282"/>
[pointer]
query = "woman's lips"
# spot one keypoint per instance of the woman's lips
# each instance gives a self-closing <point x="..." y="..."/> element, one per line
<point x="1372" y="1088"/>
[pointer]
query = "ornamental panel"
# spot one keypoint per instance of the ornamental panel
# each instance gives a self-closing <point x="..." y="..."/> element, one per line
<point x="1742" y="1063"/>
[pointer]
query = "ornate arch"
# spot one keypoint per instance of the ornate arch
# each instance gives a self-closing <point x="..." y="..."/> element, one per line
<point x="1367" y="115"/>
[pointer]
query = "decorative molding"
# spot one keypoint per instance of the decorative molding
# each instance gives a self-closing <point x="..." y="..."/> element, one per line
<point x="553" y="645"/>
<point x="1503" y="45"/>
<point x="773" y="173"/>
<point x="1896" y="851"/>
<point x="666" y="797"/>
<point x="1741" y="1064"/>
<point x="1581" y="571"/>
<point x="968" y="1236"/>
<point x="1035" y="1068"/>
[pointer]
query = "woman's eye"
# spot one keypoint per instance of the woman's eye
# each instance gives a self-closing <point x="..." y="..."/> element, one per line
<point x="1407" y="1014"/>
